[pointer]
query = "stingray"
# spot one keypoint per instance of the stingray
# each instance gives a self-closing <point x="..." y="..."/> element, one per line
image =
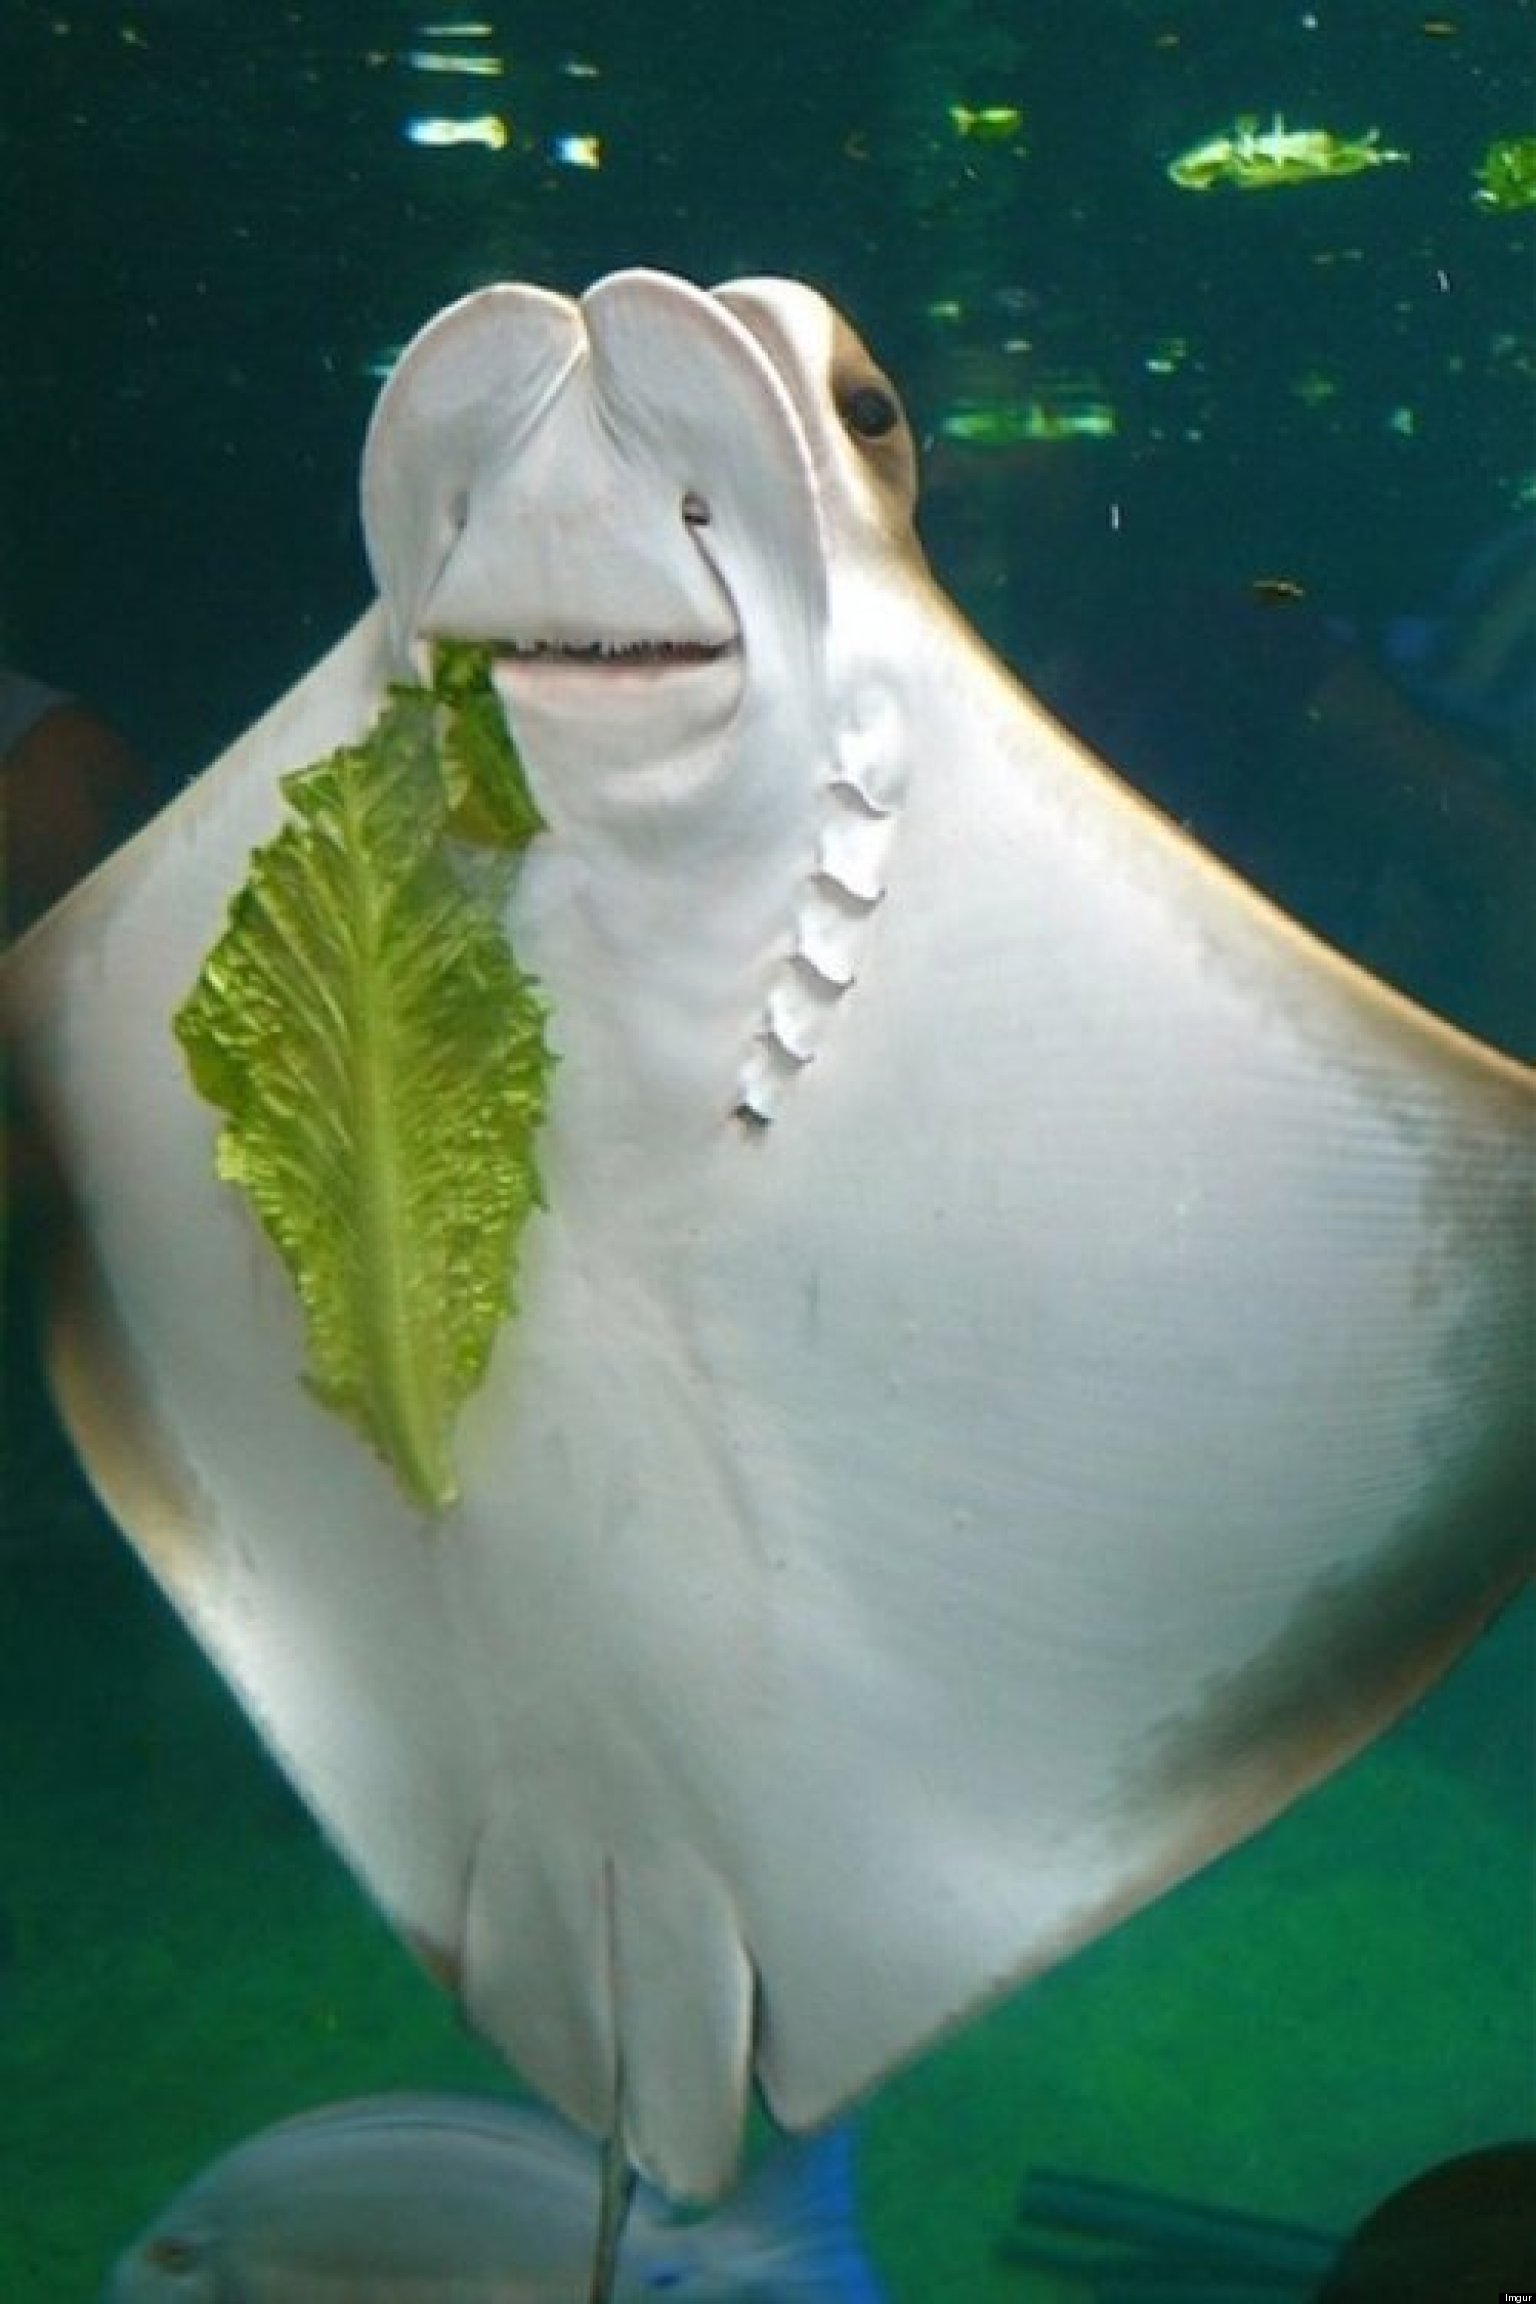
<point x="1020" y="1358"/>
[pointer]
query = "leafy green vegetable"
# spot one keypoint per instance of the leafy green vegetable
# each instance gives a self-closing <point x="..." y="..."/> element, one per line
<point x="489" y="803"/>
<point x="381" y="1060"/>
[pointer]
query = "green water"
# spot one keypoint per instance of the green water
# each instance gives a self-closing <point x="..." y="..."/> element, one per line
<point x="214" y="230"/>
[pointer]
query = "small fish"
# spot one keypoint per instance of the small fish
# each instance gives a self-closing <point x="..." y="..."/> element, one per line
<point x="408" y="2199"/>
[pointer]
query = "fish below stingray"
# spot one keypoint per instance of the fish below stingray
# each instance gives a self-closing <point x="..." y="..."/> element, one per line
<point x="463" y="2200"/>
<point x="790" y="1351"/>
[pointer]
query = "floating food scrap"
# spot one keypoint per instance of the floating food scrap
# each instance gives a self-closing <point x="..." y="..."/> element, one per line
<point x="577" y="151"/>
<point x="1506" y="174"/>
<point x="1277" y="591"/>
<point x="486" y="128"/>
<point x="988" y="123"/>
<point x="1258" y="160"/>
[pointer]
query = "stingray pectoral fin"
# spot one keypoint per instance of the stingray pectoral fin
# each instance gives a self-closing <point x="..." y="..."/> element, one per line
<point x="1190" y="1367"/>
<point x="87" y="998"/>
<point x="174" y="879"/>
<point x="135" y="1466"/>
<point x="177" y="1346"/>
<point x="106" y="1396"/>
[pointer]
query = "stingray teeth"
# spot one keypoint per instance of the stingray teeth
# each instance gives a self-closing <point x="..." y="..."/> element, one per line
<point x="615" y="651"/>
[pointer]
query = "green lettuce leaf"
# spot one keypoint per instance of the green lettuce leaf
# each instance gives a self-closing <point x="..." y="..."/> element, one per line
<point x="380" y="1059"/>
<point x="489" y="803"/>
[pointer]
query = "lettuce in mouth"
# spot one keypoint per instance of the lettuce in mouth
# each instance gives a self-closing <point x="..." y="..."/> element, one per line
<point x="381" y="1062"/>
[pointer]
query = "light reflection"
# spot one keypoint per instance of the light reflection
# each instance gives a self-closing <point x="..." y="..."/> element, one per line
<point x="486" y="129"/>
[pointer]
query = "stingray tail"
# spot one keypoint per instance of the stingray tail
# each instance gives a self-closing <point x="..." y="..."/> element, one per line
<point x="800" y="2207"/>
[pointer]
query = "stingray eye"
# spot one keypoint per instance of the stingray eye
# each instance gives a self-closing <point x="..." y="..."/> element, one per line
<point x="869" y="412"/>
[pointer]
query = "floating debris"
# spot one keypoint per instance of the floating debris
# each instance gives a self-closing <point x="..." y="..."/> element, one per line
<point x="467" y="66"/>
<point x="1314" y="388"/>
<point x="1277" y="591"/>
<point x="1506" y="174"/>
<point x="486" y="129"/>
<point x="577" y="151"/>
<point x="578" y="68"/>
<point x="994" y="424"/>
<point x="1166" y="356"/>
<point x="988" y="123"/>
<point x="1260" y="160"/>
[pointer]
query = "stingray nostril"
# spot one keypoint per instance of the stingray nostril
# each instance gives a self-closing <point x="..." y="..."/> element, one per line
<point x="695" y="511"/>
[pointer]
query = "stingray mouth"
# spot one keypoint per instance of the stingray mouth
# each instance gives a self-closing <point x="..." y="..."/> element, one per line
<point x="631" y="701"/>
<point x="611" y="655"/>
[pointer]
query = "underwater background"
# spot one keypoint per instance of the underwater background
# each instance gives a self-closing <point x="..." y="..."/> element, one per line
<point x="1243" y="480"/>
